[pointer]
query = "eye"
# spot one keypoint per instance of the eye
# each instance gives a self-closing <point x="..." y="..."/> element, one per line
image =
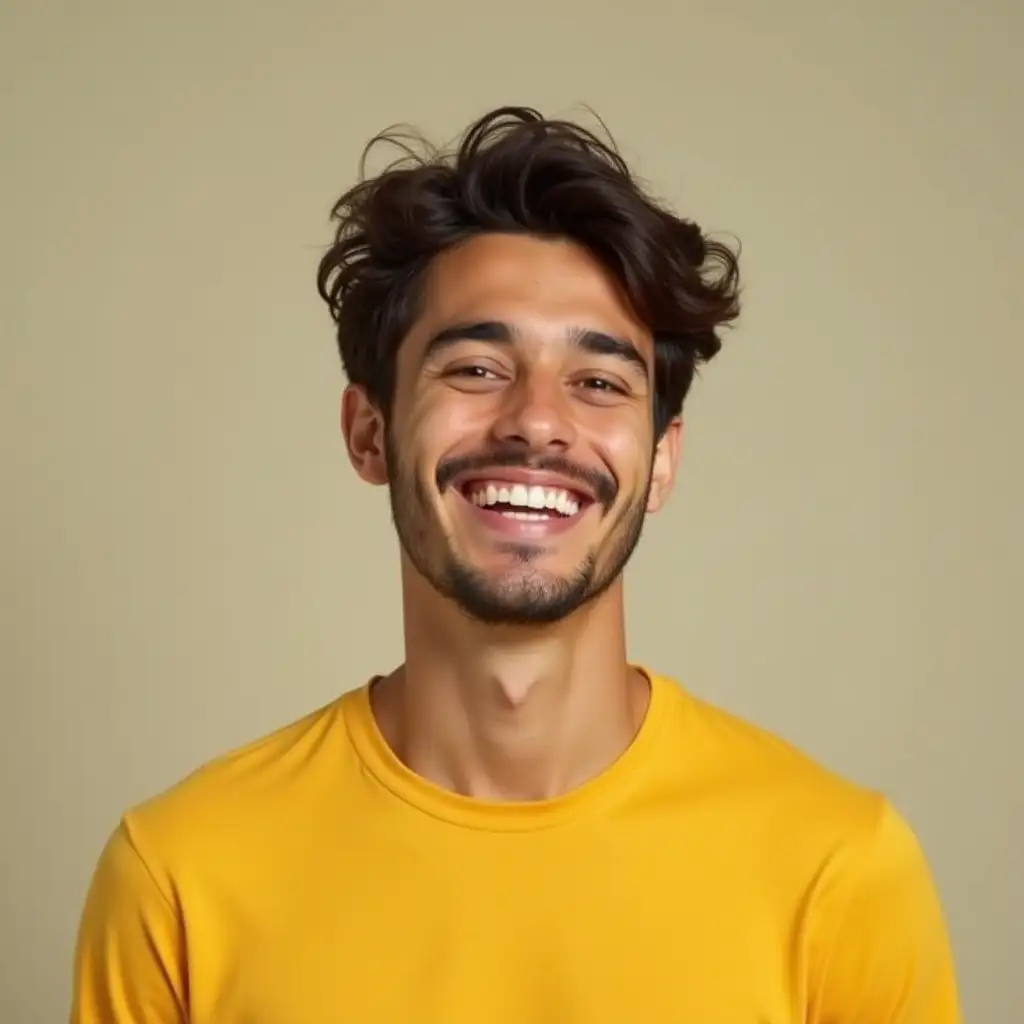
<point x="473" y="372"/>
<point x="602" y="385"/>
<point x="471" y="377"/>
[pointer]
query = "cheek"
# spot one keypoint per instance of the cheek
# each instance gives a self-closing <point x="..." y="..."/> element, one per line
<point x="444" y="428"/>
<point x="629" y="456"/>
<point x="434" y="432"/>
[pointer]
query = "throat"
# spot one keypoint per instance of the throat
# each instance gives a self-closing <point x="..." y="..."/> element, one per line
<point x="514" y="736"/>
<point x="545" y="737"/>
<point x="516" y="693"/>
<point x="515" y="712"/>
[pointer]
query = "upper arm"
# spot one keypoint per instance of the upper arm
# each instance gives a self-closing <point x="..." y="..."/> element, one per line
<point x="129" y="959"/>
<point x="885" y="956"/>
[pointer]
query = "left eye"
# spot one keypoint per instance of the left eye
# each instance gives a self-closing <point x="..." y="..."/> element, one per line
<point x="600" y="384"/>
<point x="479" y="372"/>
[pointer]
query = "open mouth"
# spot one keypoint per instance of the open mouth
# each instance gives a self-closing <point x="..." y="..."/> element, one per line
<point x="523" y="502"/>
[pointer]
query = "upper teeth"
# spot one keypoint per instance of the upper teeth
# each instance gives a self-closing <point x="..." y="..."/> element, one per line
<point x="524" y="497"/>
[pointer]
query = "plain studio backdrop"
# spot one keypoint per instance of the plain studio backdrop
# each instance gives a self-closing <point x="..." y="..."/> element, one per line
<point x="189" y="561"/>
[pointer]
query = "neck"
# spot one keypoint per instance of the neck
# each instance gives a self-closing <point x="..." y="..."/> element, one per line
<point x="510" y="713"/>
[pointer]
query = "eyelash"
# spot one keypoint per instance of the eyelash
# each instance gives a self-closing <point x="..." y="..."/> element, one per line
<point x="472" y="371"/>
<point x="606" y="385"/>
<point x="483" y="373"/>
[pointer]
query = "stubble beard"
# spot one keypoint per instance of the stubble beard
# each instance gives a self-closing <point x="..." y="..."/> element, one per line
<point x="523" y="596"/>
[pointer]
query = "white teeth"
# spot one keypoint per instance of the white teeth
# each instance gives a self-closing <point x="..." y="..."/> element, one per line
<point x="537" y="498"/>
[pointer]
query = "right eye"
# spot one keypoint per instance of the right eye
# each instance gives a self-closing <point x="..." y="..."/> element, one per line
<point x="477" y="372"/>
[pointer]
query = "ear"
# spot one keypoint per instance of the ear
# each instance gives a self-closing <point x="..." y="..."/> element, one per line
<point x="666" y="462"/>
<point x="362" y="426"/>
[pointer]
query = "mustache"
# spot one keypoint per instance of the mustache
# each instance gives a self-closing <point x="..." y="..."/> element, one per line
<point x="603" y="486"/>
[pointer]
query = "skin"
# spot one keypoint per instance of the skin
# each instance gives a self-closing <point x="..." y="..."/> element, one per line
<point x="515" y="684"/>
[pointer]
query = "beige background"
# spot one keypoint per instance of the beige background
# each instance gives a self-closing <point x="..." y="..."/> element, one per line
<point x="188" y="560"/>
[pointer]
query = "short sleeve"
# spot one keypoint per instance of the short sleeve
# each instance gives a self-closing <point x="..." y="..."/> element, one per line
<point x="129" y="960"/>
<point x="885" y="952"/>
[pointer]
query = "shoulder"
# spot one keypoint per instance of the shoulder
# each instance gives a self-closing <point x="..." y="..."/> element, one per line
<point x="733" y="754"/>
<point x="241" y="795"/>
<point x="871" y="921"/>
<point x="797" y="817"/>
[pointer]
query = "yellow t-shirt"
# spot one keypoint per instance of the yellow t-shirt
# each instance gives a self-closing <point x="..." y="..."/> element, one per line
<point x="711" y="875"/>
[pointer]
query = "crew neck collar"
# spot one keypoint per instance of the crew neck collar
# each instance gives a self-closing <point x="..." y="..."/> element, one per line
<point x="501" y="816"/>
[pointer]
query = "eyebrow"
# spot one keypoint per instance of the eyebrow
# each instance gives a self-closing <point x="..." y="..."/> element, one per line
<point x="601" y="344"/>
<point x="597" y="343"/>
<point x="484" y="330"/>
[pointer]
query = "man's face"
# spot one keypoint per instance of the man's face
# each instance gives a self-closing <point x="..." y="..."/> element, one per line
<point x="520" y="453"/>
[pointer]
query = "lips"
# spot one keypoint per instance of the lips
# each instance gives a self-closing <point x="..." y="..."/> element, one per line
<point x="523" y="505"/>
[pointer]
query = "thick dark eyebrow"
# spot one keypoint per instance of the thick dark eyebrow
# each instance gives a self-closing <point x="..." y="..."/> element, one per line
<point x="484" y="330"/>
<point x="595" y="342"/>
<point x="600" y="344"/>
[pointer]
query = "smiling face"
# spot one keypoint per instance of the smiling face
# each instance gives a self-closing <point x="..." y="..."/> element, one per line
<point x="519" y="450"/>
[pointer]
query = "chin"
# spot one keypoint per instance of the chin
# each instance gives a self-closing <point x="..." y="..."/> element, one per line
<point x="510" y="560"/>
<point x="526" y="589"/>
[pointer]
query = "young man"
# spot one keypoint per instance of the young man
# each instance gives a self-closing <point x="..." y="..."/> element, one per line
<point x="517" y="823"/>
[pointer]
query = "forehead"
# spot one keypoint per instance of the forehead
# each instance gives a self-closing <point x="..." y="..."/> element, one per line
<point x="537" y="284"/>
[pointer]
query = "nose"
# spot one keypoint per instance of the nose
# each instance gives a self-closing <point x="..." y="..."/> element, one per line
<point x="536" y="414"/>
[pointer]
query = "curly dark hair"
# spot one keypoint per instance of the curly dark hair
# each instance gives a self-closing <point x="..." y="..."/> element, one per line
<point x="515" y="171"/>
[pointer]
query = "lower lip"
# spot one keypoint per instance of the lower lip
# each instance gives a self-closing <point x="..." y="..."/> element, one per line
<point x="524" y="529"/>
